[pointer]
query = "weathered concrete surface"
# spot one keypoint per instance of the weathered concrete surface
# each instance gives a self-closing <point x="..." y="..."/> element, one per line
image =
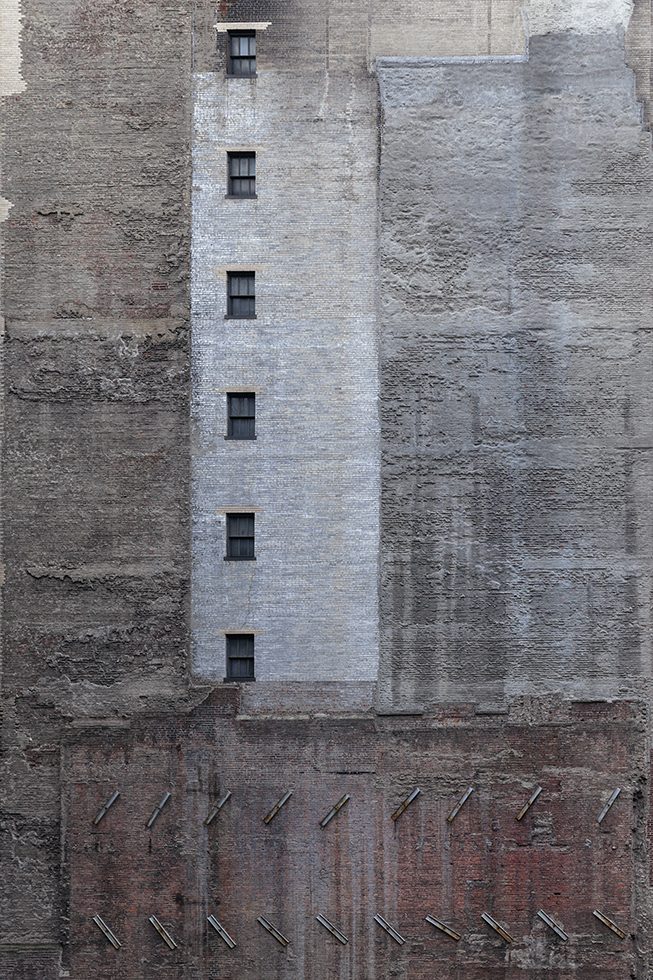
<point x="97" y="486"/>
<point x="558" y="858"/>
<point x="95" y="466"/>
<point x="515" y="375"/>
<point x="639" y="48"/>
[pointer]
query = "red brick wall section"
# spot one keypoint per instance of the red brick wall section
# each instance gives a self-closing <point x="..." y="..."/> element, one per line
<point x="558" y="858"/>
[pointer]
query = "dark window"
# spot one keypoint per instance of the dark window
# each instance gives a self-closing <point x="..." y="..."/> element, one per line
<point x="240" y="537"/>
<point x="242" y="53"/>
<point x="242" y="174"/>
<point x="241" y="300"/>
<point x="240" y="656"/>
<point x="241" y="416"/>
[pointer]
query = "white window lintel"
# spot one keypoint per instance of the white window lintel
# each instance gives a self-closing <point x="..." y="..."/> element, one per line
<point x="224" y="26"/>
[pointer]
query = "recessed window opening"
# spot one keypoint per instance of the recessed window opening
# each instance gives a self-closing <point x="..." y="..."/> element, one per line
<point x="240" y="537"/>
<point x="241" y="416"/>
<point x="240" y="657"/>
<point x="241" y="294"/>
<point x="241" y="60"/>
<point x="241" y="174"/>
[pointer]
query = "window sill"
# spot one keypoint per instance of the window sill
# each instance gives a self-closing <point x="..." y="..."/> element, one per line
<point x="238" y="680"/>
<point x="241" y="197"/>
<point x="241" y="78"/>
<point x="234" y="558"/>
<point x="252" y="317"/>
<point x="240" y="438"/>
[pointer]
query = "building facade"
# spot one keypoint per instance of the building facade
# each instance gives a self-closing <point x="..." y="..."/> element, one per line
<point x="326" y="490"/>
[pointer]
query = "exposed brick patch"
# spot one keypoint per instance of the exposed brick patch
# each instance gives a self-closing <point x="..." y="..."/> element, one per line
<point x="558" y="858"/>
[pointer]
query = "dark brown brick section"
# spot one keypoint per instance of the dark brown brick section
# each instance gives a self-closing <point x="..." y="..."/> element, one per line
<point x="558" y="858"/>
<point x="29" y="963"/>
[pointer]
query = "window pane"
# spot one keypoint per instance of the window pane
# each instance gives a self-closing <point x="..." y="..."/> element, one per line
<point x="240" y="656"/>
<point x="240" y="292"/>
<point x="242" y="171"/>
<point x="241" y="524"/>
<point x="241" y="669"/>
<point x="242" y="306"/>
<point x="241" y="405"/>
<point x="242" y="187"/>
<point x="242" y="428"/>
<point x="241" y="284"/>
<point x="240" y="536"/>
<point x="243" y="548"/>
<point x="240" y="645"/>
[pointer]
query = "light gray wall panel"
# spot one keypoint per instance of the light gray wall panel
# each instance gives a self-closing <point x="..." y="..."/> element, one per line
<point x="311" y="357"/>
<point x="516" y="364"/>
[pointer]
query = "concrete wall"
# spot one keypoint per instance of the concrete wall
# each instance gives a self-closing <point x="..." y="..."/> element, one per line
<point x="96" y="380"/>
<point x="513" y="417"/>
<point x="515" y="375"/>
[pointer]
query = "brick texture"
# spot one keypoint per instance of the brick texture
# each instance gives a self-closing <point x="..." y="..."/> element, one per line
<point x="557" y="858"/>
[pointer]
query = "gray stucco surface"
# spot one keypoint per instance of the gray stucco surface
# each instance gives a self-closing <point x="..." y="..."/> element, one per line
<point x="515" y="370"/>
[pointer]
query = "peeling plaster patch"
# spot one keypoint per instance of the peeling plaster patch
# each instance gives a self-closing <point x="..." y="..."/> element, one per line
<point x="11" y="80"/>
<point x="581" y="16"/>
<point x="5" y="208"/>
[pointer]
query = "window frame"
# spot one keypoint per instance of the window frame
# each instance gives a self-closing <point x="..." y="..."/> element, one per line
<point x="233" y="155"/>
<point x="230" y="657"/>
<point x="231" y="537"/>
<point x="240" y="58"/>
<point x="231" y="416"/>
<point x="231" y="296"/>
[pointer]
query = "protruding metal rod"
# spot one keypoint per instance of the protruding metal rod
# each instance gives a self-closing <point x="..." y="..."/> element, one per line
<point x="609" y="924"/>
<point x="406" y="803"/>
<point x="101" y="924"/>
<point x="443" y="928"/>
<point x="105" y="809"/>
<point x="331" y="814"/>
<point x="277" y="806"/>
<point x="280" y="938"/>
<point x="163" y="932"/>
<point x="529" y="803"/>
<point x="329" y="926"/>
<point x="559" y="931"/>
<point x="216" y="809"/>
<point x="157" y="809"/>
<point x="388" y="928"/>
<point x="608" y="806"/>
<point x="493" y="924"/>
<point x="460" y="804"/>
<point x="221" y="931"/>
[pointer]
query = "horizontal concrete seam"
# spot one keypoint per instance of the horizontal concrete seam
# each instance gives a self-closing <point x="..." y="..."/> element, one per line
<point x="427" y="61"/>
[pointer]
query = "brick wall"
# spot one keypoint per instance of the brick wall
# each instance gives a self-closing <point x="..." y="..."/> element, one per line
<point x="557" y="858"/>
<point x="310" y="356"/>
